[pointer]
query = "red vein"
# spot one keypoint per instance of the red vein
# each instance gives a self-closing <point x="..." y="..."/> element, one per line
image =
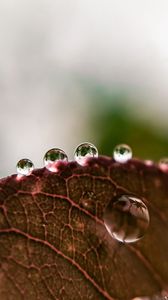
<point x="85" y="274"/>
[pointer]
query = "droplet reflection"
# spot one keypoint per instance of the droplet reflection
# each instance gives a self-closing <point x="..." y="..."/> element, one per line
<point x="122" y="153"/>
<point x="163" y="164"/>
<point x="52" y="157"/>
<point x="85" y="151"/>
<point x="126" y="218"/>
<point x="24" y="167"/>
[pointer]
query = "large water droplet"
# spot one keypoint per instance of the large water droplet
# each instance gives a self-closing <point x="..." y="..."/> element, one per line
<point x="126" y="218"/>
<point x="52" y="157"/>
<point x="24" y="167"/>
<point x="162" y="296"/>
<point x="122" y="153"/>
<point x="85" y="151"/>
<point x="163" y="163"/>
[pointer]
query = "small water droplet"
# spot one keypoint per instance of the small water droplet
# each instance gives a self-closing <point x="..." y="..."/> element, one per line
<point x="163" y="163"/>
<point x="52" y="157"/>
<point x="88" y="201"/>
<point x="148" y="162"/>
<point x="122" y="153"/>
<point x="85" y="151"/>
<point x="126" y="218"/>
<point x="24" y="167"/>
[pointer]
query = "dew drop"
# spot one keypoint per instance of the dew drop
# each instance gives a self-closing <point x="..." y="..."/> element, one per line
<point x="148" y="162"/>
<point x="52" y="157"/>
<point x="85" y="151"/>
<point x="126" y="218"/>
<point x="163" y="163"/>
<point x="88" y="201"/>
<point x="122" y="153"/>
<point x="88" y="204"/>
<point x="24" y="167"/>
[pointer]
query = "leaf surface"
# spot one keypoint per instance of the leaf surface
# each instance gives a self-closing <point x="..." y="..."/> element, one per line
<point x="53" y="242"/>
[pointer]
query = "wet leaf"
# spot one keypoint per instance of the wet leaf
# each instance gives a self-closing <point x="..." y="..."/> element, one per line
<point x="53" y="242"/>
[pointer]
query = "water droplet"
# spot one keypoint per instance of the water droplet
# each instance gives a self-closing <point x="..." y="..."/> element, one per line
<point x="126" y="218"/>
<point x="122" y="153"/>
<point x="163" y="163"/>
<point x="52" y="157"/>
<point x="85" y="151"/>
<point x="24" y="167"/>
<point x="88" y="201"/>
<point x="160" y="296"/>
<point x="148" y="162"/>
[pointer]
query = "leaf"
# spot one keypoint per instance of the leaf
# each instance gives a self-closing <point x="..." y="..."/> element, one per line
<point x="53" y="242"/>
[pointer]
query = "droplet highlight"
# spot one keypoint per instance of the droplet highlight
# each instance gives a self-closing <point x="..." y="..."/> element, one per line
<point x="53" y="157"/>
<point x="163" y="163"/>
<point x="126" y="218"/>
<point x="122" y="153"/>
<point x="24" y="167"/>
<point x="85" y="151"/>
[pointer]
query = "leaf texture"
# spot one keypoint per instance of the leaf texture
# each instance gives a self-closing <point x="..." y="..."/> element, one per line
<point x="53" y="242"/>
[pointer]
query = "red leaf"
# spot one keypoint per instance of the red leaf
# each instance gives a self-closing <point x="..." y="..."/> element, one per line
<point x="53" y="242"/>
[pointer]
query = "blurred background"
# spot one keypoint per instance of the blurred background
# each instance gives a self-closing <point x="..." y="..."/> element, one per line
<point x="82" y="70"/>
